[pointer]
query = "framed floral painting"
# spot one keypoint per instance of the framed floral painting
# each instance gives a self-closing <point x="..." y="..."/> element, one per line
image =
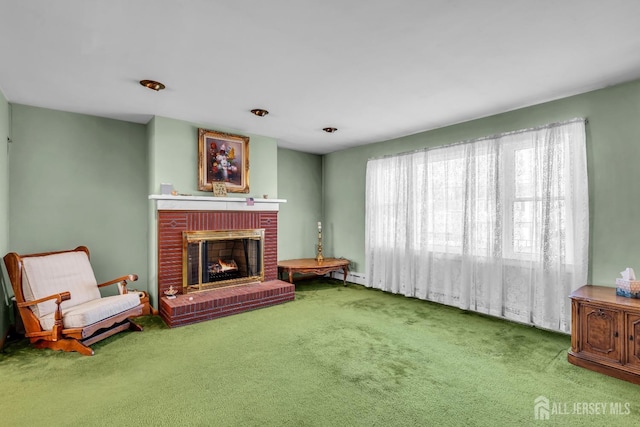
<point x="223" y="157"/>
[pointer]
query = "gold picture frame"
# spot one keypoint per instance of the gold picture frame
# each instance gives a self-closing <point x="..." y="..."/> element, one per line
<point x="224" y="158"/>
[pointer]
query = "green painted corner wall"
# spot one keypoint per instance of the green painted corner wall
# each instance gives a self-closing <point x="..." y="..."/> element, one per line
<point x="4" y="212"/>
<point x="613" y="155"/>
<point x="300" y="183"/>
<point x="80" y="180"/>
<point x="84" y="180"/>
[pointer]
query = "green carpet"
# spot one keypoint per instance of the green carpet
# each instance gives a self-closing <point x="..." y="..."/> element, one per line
<point x="337" y="356"/>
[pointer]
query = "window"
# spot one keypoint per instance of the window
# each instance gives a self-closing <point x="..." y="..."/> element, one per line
<point x="486" y="192"/>
<point x="450" y="199"/>
<point x="498" y="224"/>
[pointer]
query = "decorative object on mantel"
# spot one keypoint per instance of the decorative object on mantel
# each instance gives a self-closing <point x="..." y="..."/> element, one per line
<point x="627" y="285"/>
<point x="166" y="188"/>
<point x="219" y="189"/>
<point x="223" y="157"/>
<point x="171" y="292"/>
<point x="250" y="201"/>
<point x="319" y="257"/>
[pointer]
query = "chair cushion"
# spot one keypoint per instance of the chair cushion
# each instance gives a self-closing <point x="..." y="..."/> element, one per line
<point x="92" y="311"/>
<point x="52" y="274"/>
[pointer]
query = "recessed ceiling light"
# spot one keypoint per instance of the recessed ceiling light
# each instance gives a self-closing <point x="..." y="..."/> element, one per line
<point x="330" y="130"/>
<point x="259" y="112"/>
<point x="152" y="84"/>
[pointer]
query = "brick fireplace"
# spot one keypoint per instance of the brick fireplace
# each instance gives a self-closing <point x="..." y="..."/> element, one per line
<point x="178" y="214"/>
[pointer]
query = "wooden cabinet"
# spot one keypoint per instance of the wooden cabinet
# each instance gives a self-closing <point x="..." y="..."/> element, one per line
<point x="600" y="329"/>
<point x="633" y="328"/>
<point x="605" y="332"/>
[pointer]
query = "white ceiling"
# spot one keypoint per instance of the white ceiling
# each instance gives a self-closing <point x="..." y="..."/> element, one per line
<point x="375" y="69"/>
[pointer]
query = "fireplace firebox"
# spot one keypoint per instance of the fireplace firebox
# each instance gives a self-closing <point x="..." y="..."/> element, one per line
<point x="220" y="258"/>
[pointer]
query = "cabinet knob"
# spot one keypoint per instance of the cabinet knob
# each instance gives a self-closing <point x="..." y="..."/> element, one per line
<point x="615" y="334"/>
<point x="630" y="337"/>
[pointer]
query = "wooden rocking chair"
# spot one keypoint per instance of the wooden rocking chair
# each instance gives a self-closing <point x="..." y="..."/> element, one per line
<point x="60" y="303"/>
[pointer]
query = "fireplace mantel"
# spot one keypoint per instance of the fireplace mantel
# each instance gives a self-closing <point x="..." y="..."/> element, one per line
<point x="210" y="203"/>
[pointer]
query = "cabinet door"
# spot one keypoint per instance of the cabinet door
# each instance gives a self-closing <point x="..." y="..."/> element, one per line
<point x="633" y="340"/>
<point x="601" y="329"/>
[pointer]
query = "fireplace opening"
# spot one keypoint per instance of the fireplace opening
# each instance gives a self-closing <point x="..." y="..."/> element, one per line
<point x="214" y="259"/>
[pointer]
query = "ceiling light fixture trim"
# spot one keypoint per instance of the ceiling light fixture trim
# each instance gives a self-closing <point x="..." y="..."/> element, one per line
<point x="152" y="84"/>
<point x="330" y="130"/>
<point x="259" y="112"/>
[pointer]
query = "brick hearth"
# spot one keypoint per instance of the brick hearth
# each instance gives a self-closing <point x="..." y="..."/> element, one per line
<point x="217" y="302"/>
<point x="224" y="302"/>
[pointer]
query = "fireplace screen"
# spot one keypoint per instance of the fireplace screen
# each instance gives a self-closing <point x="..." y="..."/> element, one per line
<point x="214" y="259"/>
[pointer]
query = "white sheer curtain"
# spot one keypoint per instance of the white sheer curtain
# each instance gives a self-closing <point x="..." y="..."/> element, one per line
<point x="498" y="225"/>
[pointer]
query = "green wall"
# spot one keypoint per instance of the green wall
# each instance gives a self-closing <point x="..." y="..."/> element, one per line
<point x="300" y="183"/>
<point x="80" y="180"/>
<point x="174" y="158"/>
<point x="4" y="211"/>
<point x="152" y="253"/>
<point x="613" y="154"/>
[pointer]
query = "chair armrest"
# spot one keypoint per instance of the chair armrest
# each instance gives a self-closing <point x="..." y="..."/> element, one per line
<point x="122" y="282"/>
<point x="56" y="330"/>
<point x="62" y="296"/>
<point x="130" y="277"/>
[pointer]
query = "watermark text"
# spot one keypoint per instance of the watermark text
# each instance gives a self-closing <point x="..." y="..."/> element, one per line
<point x="544" y="409"/>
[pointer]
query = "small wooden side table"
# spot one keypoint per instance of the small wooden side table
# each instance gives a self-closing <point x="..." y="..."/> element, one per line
<point x="310" y="265"/>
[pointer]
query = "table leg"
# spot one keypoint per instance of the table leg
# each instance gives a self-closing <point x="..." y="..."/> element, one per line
<point x="346" y="271"/>
<point x="290" y="276"/>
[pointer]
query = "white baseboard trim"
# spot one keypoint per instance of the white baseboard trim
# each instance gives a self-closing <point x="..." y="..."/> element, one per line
<point x="353" y="277"/>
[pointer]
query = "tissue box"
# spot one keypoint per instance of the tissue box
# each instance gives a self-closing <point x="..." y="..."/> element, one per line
<point x="628" y="288"/>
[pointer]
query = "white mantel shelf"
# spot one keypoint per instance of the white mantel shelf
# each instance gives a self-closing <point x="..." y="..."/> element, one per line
<point x="210" y="203"/>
